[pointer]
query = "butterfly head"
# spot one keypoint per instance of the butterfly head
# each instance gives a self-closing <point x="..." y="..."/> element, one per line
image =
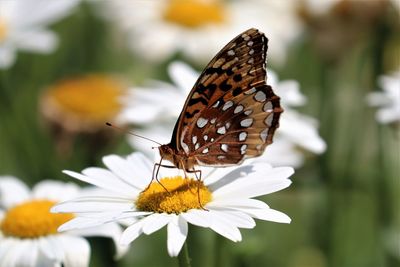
<point x="180" y="161"/>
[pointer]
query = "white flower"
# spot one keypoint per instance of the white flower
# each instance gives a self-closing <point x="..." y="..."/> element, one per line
<point x="149" y="108"/>
<point x="226" y="195"/>
<point x="200" y="28"/>
<point x="388" y="100"/>
<point x="28" y="231"/>
<point x="23" y="26"/>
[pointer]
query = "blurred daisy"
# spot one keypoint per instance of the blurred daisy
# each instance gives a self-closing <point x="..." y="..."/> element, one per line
<point x="83" y="104"/>
<point x="23" y="26"/>
<point x="389" y="100"/>
<point x="28" y="231"/>
<point x="199" y="28"/>
<point x="157" y="117"/>
<point x="226" y="193"/>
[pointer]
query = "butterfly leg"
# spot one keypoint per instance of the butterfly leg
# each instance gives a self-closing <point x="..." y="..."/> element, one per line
<point x="156" y="169"/>
<point x="198" y="178"/>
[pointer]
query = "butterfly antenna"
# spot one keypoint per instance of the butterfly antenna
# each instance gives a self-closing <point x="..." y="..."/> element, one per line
<point x="131" y="133"/>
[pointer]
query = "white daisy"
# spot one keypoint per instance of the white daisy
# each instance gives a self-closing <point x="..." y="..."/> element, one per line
<point x="148" y="108"/>
<point x="388" y="100"/>
<point x="28" y="231"/>
<point x="23" y="26"/>
<point x="199" y="28"/>
<point x="226" y="194"/>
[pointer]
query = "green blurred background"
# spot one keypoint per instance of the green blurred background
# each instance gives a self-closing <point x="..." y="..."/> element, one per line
<point x="344" y="204"/>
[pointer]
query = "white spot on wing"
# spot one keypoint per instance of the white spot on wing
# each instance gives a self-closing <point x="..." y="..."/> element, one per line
<point x="231" y="53"/>
<point x="227" y="105"/>
<point x="242" y="136"/>
<point x="205" y="137"/>
<point x="194" y="139"/>
<point x="205" y="150"/>
<point x="212" y="139"/>
<point x="238" y="109"/>
<point x="213" y="120"/>
<point x="197" y="146"/>
<point x="243" y="149"/>
<point x="246" y="122"/>
<point x="251" y="52"/>
<point x="250" y="61"/>
<point x="250" y="43"/>
<point x="224" y="147"/>
<point x="260" y="96"/>
<point x="201" y="122"/>
<point x="248" y="112"/>
<point x="185" y="147"/>
<point x="221" y="130"/>
<point x="221" y="157"/>
<point x="216" y="104"/>
<point x="268" y="107"/>
<point x="227" y="125"/>
<point x="250" y="91"/>
<point x="264" y="134"/>
<point x="268" y="119"/>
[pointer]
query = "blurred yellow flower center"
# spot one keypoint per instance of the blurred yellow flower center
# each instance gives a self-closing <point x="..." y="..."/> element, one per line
<point x="3" y="29"/>
<point x="94" y="97"/>
<point x="194" y="13"/>
<point x="32" y="219"/>
<point x="183" y="195"/>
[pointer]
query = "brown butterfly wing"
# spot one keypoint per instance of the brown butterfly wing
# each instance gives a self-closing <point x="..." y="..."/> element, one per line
<point x="231" y="113"/>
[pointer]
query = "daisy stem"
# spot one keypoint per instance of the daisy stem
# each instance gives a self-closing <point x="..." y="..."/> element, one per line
<point x="183" y="257"/>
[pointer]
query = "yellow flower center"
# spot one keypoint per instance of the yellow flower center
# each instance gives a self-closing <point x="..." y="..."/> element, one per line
<point x="3" y="29"/>
<point x="194" y="13"/>
<point x="32" y="219"/>
<point x="92" y="99"/>
<point x="182" y="195"/>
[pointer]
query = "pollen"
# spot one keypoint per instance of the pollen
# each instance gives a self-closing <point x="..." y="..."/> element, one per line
<point x="3" y="30"/>
<point x="32" y="220"/>
<point x="88" y="100"/>
<point x="174" y="195"/>
<point x="194" y="13"/>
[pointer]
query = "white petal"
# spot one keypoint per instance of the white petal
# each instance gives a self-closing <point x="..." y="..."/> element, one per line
<point x="156" y="222"/>
<point x="268" y="215"/>
<point x="224" y="227"/>
<point x="38" y="13"/>
<point x="122" y="169"/>
<point x="80" y="223"/>
<point x="131" y="233"/>
<point x="182" y="75"/>
<point x="197" y="217"/>
<point x="40" y="41"/>
<point x="7" y="57"/>
<point x="256" y="184"/>
<point x="54" y="190"/>
<point x="111" y="230"/>
<point x="52" y="248"/>
<point x="252" y="189"/>
<point x="238" y="203"/>
<point x="21" y="253"/>
<point x="282" y="153"/>
<point x="93" y="204"/>
<point x="12" y="191"/>
<point x="104" y="179"/>
<point x="219" y="177"/>
<point x="238" y="218"/>
<point x="76" y="251"/>
<point x="306" y="135"/>
<point x="177" y="233"/>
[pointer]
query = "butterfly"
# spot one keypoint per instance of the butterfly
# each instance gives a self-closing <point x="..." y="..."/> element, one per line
<point x="231" y="113"/>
